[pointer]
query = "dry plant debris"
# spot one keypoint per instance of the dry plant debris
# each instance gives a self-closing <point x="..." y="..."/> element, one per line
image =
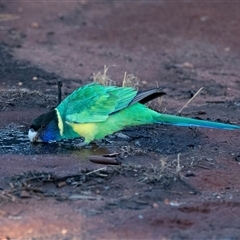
<point x="25" y="97"/>
<point x="103" y="78"/>
<point x="129" y="80"/>
<point x="32" y="183"/>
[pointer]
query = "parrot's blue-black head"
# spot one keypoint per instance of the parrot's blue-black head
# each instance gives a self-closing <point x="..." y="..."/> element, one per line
<point x="45" y="128"/>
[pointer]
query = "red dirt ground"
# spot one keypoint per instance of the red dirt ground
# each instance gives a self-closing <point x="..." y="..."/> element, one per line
<point x="50" y="191"/>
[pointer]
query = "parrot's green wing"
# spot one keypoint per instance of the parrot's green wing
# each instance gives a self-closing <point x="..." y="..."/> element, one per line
<point x="95" y="102"/>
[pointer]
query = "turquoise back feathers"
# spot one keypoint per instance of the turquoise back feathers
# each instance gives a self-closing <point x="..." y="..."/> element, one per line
<point x="94" y="102"/>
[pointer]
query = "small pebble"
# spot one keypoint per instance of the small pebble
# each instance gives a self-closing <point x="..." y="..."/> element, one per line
<point x="155" y="205"/>
<point x="35" y="25"/>
<point x="64" y="231"/>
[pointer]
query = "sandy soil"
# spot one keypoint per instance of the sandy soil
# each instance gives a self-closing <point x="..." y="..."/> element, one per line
<point x="173" y="183"/>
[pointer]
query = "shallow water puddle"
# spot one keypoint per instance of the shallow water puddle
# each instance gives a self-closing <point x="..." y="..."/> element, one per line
<point x="14" y="140"/>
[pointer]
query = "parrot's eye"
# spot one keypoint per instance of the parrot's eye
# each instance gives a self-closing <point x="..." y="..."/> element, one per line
<point x="36" y="127"/>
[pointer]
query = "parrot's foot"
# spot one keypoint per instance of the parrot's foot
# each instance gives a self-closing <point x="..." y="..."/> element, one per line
<point x="81" y="145"/>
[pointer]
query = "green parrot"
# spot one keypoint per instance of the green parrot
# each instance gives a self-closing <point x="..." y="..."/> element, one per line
<point x="95" y="111"/>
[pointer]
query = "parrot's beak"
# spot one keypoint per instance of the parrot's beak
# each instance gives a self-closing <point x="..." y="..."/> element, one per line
<point x="33" y="136"/>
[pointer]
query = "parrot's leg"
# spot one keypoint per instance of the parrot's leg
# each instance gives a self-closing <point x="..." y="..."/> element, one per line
<point x="82" y="144"/>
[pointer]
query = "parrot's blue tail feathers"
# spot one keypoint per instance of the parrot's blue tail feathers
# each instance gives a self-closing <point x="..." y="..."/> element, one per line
<point x="189" y="122"/>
